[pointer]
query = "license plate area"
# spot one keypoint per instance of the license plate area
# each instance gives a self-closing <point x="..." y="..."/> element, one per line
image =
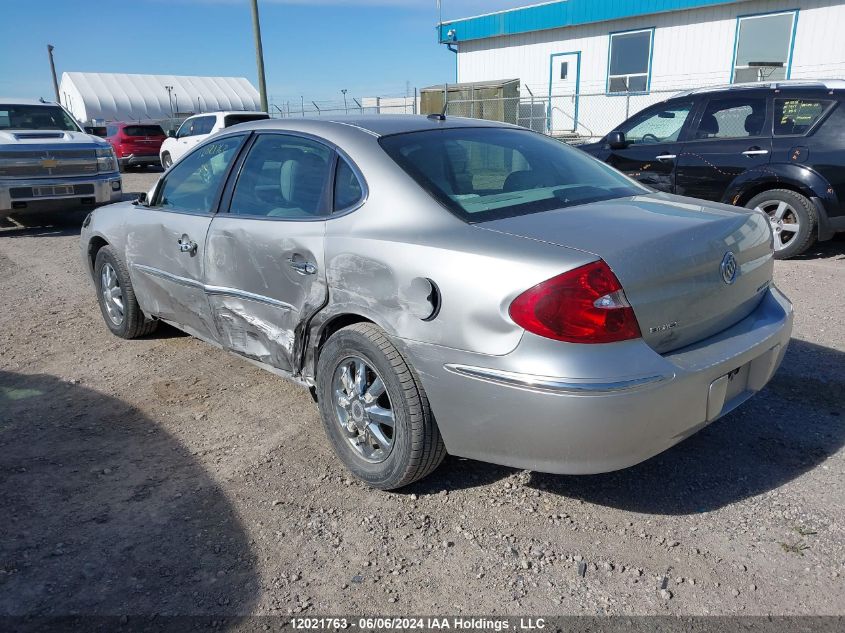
<point x="52" y="190"/>
<point x="728" y="391"/>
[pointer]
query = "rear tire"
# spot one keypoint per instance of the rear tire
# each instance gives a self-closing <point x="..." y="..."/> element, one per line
<point x="120" y="309"/>
<point x="383" y="456"/>
<point x="792" y="218"/>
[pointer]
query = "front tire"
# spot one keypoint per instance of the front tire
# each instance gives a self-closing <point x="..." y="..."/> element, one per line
<point x="374" y="409"/>
<point x="120" y="309"/>
<point x="792" y="218"/>
<point x="166" y="161"/>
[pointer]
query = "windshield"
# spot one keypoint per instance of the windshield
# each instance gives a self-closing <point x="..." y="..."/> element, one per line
<point x="35" y="117"/>
<point x="483" y="174"/>
<point x="143" y="130"/>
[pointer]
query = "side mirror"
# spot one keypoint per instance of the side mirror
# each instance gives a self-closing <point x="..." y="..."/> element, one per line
<point x="141" y="199"/>
<point x="171" y="133"/>
<point x="616" y="140"/>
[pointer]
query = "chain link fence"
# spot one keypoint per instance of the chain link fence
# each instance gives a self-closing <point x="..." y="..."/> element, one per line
<point x="576" y="118"/>
<point x="573" y="117"/>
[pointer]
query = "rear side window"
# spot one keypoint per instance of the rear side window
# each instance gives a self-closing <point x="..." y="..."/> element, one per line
<point x="234" y="119"/>
<point x="734" y="117"/>
<point x="797" y="116"/>
<point x="143" y="130"/>
<point x="347" y="188"/>
<point x="283" y="177"/>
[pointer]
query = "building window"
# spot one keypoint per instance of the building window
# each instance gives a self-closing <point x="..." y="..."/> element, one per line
<point x="763" y="47"/>
<point x="629" y="66"/>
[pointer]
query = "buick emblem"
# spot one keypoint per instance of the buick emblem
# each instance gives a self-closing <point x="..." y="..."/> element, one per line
<point x="728" y="268"/>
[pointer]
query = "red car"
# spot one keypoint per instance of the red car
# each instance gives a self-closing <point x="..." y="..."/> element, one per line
<point x="136" y="144"/>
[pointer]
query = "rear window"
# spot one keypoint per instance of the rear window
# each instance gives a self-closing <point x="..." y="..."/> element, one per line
<point x="797" y="116"/>
<point x="483" y="174"/>
<point x="234" y="119"/>
<point x="143" y="130"/>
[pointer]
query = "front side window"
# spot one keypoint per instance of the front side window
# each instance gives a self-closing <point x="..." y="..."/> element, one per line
<point x="763" y="44"/>
<point x="36" y="117"/>
<point x="483" y="174"/>
<point x="347" y="188"/>
<point x="660" y="125"/>
<point x="283" y="177"/>
<point x="630" y="61"/>
<point x="797" y="116"/>
<point x="186" y="129"/>
<point x="735" y="117"/>
<point x="192" y="185"/>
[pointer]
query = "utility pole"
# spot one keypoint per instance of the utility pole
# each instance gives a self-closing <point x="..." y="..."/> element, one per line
<point x="170" y="98"/>
<point x="345" y="107"/>
<point x="259" y="56"/>
<point x="53" y="70"/>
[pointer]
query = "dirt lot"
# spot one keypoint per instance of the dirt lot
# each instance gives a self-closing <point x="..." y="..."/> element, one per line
<point x="162" y="476"/>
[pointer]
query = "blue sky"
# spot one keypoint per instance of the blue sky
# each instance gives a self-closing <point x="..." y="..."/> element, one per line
<point x="311" y="47"/>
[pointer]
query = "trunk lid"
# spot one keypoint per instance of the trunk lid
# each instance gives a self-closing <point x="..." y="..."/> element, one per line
<point x="668" y="253"/>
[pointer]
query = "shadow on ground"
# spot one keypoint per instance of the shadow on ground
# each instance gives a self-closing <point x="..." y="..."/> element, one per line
<point x="105" y="513"/>
<point x="832" y="249"/>
<point x="44" y="223"/>
<point x="789" y="428"/>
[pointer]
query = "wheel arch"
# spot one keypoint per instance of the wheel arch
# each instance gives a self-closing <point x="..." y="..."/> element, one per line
<point x="321" y="332"/>
<point x="95" y="244"/>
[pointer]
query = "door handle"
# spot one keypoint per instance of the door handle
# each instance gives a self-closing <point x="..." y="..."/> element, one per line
<point x="302" y="267"/>
<point x="187" y="245"/>
<point x="666" y="157"/>
<point x="755" y="152"/>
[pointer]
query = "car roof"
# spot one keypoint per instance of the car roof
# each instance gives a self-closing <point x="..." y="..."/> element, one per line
<point x="819" y="84"/>
<point x="226" y="113"/>
<point x="19" y="101"/>
<point x="373" y="124"/>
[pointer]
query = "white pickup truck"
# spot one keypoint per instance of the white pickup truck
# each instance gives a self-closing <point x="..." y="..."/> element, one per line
<point x="48" y="162"/>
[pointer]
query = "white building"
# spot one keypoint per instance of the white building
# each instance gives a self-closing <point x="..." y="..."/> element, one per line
<point x="592" y="62"/>
<point x="121" y="97"/>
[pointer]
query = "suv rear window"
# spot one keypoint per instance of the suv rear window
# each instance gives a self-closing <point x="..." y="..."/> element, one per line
<point x="483" y="174"/>
<point x="143" y="130"/>
<point x="234" y="119"/>
<point x="797" y="116"/>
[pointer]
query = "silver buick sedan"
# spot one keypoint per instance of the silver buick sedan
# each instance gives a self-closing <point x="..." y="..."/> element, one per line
<point x="445" y="284"/>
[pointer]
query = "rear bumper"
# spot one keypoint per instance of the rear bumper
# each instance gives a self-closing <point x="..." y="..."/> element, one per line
<point x="22" y="195"/>
<point x="498" y="409"/>
<point x="139" y="159"/>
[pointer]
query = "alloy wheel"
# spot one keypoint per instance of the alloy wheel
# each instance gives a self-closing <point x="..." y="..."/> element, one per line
<point x="112" y="294"/>
<point x="783" y="219"/>
<point x="363" y="409"/>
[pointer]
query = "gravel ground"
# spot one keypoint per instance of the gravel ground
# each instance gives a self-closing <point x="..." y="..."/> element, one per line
<point x="164" y="476"/>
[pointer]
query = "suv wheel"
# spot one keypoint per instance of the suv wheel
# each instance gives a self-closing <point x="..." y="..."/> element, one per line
<point x="374" y="409"/>
<point x="166" y="161"/>
<point x="792" y="218"/>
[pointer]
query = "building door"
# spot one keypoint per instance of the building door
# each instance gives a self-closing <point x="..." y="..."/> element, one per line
<point x="563" y="92"/>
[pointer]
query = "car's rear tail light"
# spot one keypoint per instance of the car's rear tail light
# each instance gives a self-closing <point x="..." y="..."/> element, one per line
<point x="585" y="305"/>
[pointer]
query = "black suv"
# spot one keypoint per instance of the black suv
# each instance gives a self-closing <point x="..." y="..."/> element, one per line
<point x="777" y="147"/>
